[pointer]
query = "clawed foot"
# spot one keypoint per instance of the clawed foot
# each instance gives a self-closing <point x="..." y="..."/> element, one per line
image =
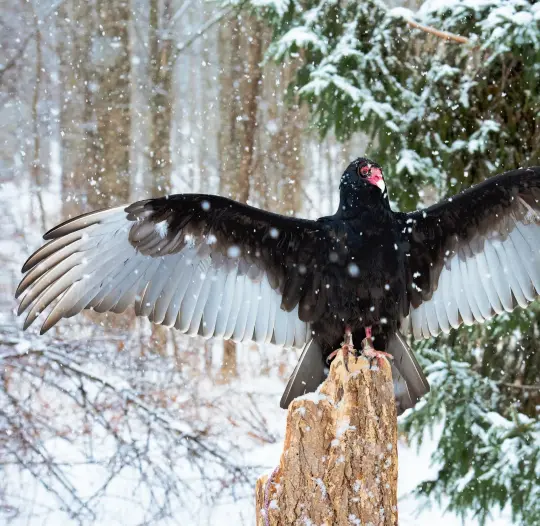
<point x="369" y="352"/>
<point x="347" y="347"/>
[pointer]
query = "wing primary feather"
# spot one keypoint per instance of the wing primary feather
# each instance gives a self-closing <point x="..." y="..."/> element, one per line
<point x="216" y="298"/>
<point x="478" y="289"/>
<point x="289" y="342"/>
<point x="488" y="283"/>
<point x="528" y="256"/>
<point x="202" y="298"/>
<point x="252" y="314"/>
<point x="165" y="298"/>
<point x="228" y="299"/>
<point x="156" y="284"/>
<point x="49" y="263"/>
<point x="261" y="323"/>
<point x="469" y="290"/>
<point x="521" y="274"/>
<point x="280" y="327"/>
<point x="49" y="249"/>
<point x="440" y="309"/>
<point x="274" y="299"/>
<point x="458" y="285"/>
<point x="49" y="278"/>
<point x="189" y="303"/>
<point x="509" y="273"/>
<point x="244" y="310"/>
<point x="449" y="299"/>
<point x="84" y="221"/>
<point x="236" y="305"/>
<point x="431" y="315"/>
<point x="173" y="309"/>
<point x="500" y="283"/>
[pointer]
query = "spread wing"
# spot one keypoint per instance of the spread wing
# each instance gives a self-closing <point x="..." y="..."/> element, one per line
<point x="474" y="255"/>
<point x="203" y="264"/>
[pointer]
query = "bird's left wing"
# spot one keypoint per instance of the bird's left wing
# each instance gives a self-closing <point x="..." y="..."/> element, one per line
<point x="474" y="255"/>
<point x="203" y="264"/>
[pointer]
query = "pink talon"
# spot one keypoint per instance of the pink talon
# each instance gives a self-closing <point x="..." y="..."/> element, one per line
<point x="347" y="346"/>
<point x="369" y="352"/>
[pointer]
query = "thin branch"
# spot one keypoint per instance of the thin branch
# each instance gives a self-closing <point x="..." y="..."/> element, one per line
<point x="523" y="387"/>
<point x="438" y="33"/>
<point x="206" y="26"/>
<point x="179" y="13"/>
<point x="125" y="393"/>
<point x="18" y="54"/>
<point x="13" y="60"/>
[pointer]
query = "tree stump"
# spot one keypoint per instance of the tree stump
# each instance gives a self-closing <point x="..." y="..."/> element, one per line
<point x="339" y="460"/>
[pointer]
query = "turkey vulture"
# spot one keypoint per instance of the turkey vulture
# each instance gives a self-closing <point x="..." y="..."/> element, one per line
<point x="208" y="265"/>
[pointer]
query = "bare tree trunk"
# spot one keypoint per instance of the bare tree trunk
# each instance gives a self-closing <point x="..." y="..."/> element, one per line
<point x="36" y="161"/>
<point x="339" y="461"/>
<point x="282" y="184"/>
<point x="241" y="88"/>
<point x="111" y="105"/>
<point x="250" y="89"/>
<point x="74" y="51"/>
<point x="161" y="97"/>
<point x="230" y="109"/>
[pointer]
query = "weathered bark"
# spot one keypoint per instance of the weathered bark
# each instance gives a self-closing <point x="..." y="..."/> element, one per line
<point x="339" y="460"/>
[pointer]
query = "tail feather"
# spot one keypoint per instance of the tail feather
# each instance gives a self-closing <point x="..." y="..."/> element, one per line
<point x="410" y="383"/>
<point x="308" y="374"/>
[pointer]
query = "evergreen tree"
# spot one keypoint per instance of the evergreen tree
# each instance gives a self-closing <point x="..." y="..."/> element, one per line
<point x="449" y="95"/>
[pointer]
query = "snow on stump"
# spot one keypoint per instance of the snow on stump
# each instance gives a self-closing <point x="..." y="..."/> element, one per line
<point x="339" y="460"/>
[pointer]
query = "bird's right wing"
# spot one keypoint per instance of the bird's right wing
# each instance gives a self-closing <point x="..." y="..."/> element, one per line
<point x="202" y="264"/>
<point x="474" y="255"/>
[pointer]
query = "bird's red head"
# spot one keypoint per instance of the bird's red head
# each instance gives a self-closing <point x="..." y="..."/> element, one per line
<point x="371" y="172"/>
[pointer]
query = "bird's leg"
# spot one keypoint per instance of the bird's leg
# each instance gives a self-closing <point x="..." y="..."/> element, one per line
<point x="347" y="346"/>
<point x="369" y="352"/>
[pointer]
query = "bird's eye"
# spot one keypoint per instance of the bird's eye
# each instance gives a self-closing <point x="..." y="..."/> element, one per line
<point x="364" y="171"/>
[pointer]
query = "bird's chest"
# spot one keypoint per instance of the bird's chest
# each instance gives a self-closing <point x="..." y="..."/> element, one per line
<point x="367" y="271"/>
<point x="363" y="254"/>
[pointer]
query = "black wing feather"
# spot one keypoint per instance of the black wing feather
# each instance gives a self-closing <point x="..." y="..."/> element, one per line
<point x="286" y="248"/>
<point x="460" y="226"/>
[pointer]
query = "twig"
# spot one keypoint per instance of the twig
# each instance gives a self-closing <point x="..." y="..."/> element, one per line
<point x="523" y="387"/>
<point x="125" y="393"/>
<point x="206" y="26"/>
<point x="18" y="54"/>
<point x="438" y="33"/>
